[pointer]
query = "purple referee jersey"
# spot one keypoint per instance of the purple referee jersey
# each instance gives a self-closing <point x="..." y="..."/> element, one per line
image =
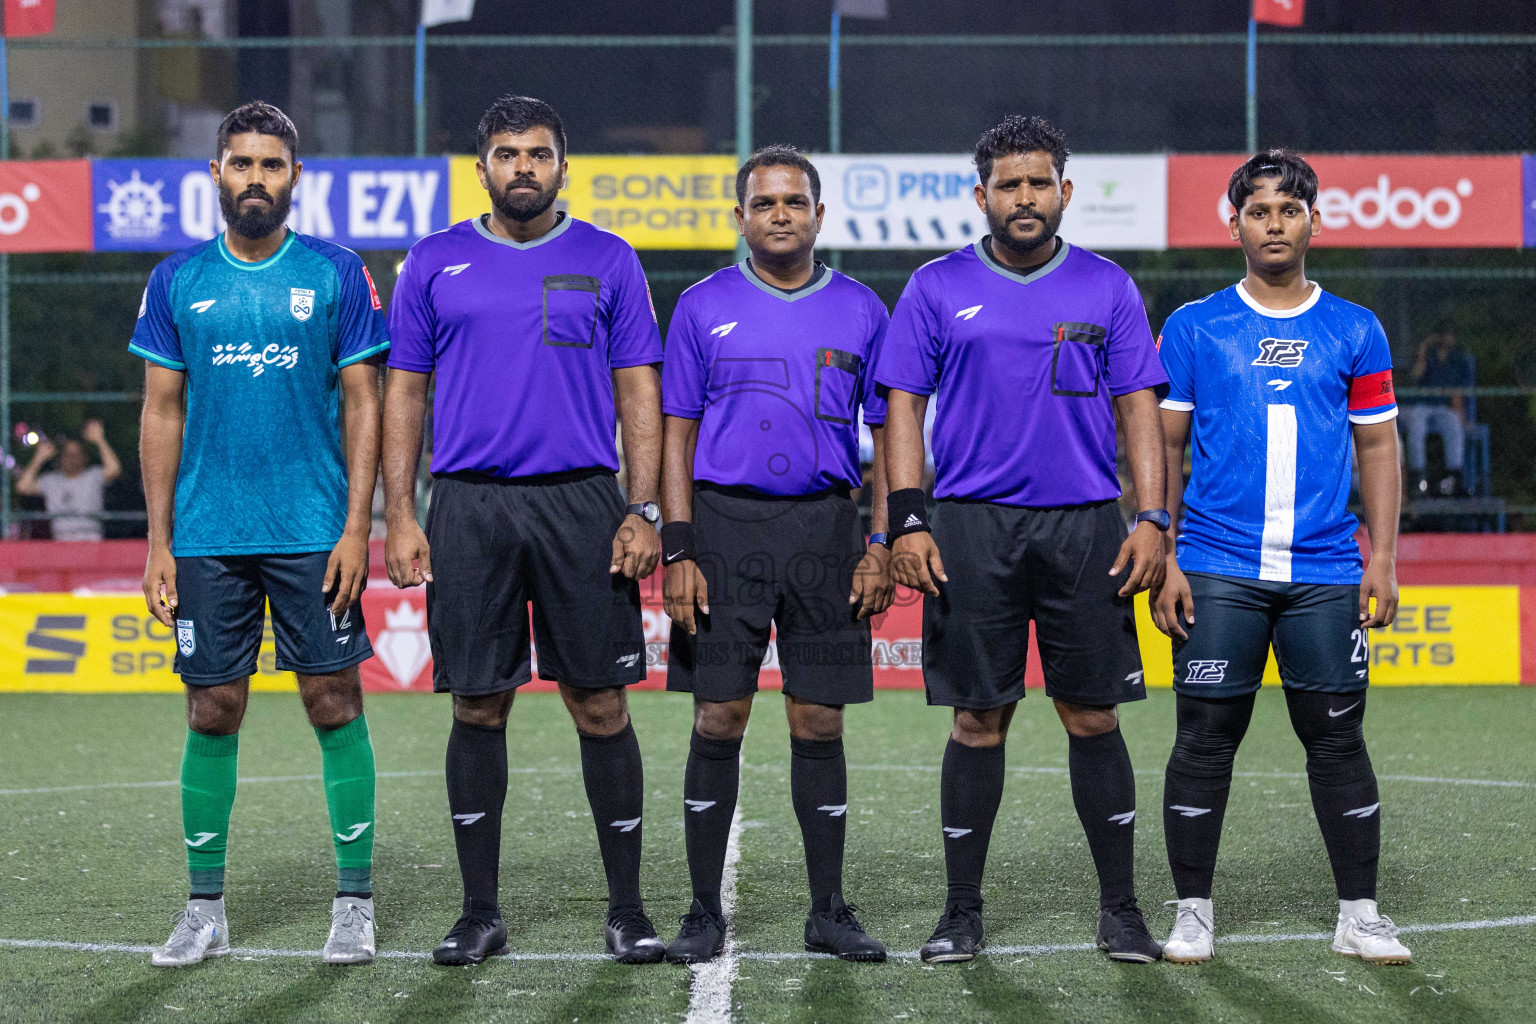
<point x="1025" y="367"/>
<point x="777" y="378"/>
<point x="524" y="337"/>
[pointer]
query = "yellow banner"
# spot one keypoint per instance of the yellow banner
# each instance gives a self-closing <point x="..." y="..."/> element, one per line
<point x="653" y="202"/>
<point x="1441" y="635"/>
<point x="60" y="643"/>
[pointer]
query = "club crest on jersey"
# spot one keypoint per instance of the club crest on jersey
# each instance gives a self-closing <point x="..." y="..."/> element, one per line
<point x="186" y="637"/>
<point x="301" y="303"/>
<point x="1280" y="352"/>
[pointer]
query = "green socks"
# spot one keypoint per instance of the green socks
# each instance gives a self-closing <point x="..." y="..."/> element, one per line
<point x="208" y="767"/>
<point x="346" y="757"/>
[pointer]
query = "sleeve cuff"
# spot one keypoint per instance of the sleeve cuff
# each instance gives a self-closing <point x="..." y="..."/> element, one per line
<point x="1374" y="417"/>
<point x="907" y="386"/>
<point x="626" y="362"/>
<point x="398" y="361"/>
<point x="1143" y="384"/>
<point x="155" y="358"/>
<point x="682" y="412"/>
<point x="1173" y="405"/>
<point x="358" y="357"/>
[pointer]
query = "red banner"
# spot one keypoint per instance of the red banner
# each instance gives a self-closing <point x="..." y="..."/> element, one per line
<point x="45" y="206"/>
<point x="1367" y="201"/>
<point x="1285" y="13"/>
<point x="28" y="18"/>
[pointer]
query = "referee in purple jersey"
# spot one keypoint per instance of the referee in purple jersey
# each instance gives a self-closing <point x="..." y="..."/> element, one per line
<point x="539" y="328"/>
<point x="1032" y="347"/>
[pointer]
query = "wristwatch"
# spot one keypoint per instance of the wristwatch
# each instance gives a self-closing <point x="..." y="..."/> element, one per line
<point x="1158" y="517"/>
<point x="647" y="510"/>
<point x="879" y="538"/>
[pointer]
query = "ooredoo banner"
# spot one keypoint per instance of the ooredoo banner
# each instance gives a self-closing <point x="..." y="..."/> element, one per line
<point x="45" y="206"/>
<point x="362" y="203"/>
<point x="1415" y="202"/>
<point x="928" y="202"/>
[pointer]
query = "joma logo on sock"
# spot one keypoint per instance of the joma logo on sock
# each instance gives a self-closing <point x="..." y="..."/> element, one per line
<point x="356" y="830"/>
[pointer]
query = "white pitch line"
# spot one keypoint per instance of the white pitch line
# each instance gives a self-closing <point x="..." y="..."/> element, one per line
<point x="709" y="994"/>
<point x="1520" y="921"/>
<point x="435" y="773"/>
<point x="1158" y="773"/>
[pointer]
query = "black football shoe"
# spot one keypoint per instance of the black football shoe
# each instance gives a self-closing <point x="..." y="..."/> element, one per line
<point x="958" y="937"/>
<point x="471" y="939"/>
<point x="838" y="932"/>
<point x="1124" y="936"/>
<point x="701" y="938"/>
<point x="632" y="938"/>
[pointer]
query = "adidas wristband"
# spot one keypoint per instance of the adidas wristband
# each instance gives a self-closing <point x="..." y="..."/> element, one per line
<point x="907" y="512"/>
<point x="677" y="544"/>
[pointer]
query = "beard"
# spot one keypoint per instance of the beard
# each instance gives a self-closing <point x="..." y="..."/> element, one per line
<point x="525" y="208"/>
<point x="257" y="222"/>
<point x="998" y="225"/>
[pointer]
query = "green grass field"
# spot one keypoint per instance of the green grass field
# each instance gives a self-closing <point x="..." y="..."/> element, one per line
<point x="96" y="858"/>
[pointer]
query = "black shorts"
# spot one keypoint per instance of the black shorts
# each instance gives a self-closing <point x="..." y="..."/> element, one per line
<point x="785" y="562"/>
<point x="1008" y="565"/>
<point x="220" y="608"/>
<point x="496" y="546"/>
<point x="1315" y="629"/>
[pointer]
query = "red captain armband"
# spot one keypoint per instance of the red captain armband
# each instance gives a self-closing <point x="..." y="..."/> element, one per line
<point x="1371" y="392"/>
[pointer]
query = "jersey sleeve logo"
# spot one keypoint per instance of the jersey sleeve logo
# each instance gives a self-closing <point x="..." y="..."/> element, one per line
<point x="1280" y="352"/>
<point x="373" y="293"/>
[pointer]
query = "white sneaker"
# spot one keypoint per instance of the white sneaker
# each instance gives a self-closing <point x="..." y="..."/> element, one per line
<point x="200" y="932"/>
<point x="1362" y="931"/>
<point x="351" y="938"/>
<point x="1194" y="932"/>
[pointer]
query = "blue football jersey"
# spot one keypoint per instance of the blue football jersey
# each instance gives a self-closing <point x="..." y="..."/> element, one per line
<point x="1273" y="394"/>
<point x="262" y="345"/>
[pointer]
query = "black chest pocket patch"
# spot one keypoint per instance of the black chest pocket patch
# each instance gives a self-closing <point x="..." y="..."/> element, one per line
<point x="570" y="310"/>
<point x="1077" y="359"/>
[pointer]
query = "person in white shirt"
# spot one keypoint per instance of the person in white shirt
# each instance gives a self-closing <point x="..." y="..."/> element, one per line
<point x="74" y="487"/>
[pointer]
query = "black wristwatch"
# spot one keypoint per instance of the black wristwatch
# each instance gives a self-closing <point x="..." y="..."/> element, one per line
<point x="647" y="510"/>
<point x="1158" y="517"/>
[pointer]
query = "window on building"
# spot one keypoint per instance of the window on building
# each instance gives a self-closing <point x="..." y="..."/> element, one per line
<point x="25" y="113"/>
<point x="101" y="115"/>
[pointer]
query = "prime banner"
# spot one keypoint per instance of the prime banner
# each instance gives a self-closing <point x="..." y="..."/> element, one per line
<point x="63" y="643"/>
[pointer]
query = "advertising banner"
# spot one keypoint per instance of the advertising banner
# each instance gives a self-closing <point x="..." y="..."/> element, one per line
<point x="158" y="205"/>
<point x="1412" y="202"/>
<point x="653" y="202"/>
<point x="110" y="644"/>
<point x="928" y="202"/>
<point x="45" y="206"/>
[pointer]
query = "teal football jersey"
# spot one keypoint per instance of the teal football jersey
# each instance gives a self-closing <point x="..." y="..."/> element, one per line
<point x="262" y="345"/>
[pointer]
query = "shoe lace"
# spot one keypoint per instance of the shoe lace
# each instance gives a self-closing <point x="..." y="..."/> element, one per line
<point x="350" y="923"/>
<point x="956" y="921"/>
<point x="632" y="919"/>
<point x="1190" y="923"/>
<point x="696" y="923"/>
<point x="185" y="926"/>
<point x="843" y="915"/>
<point x="1129" y="915"/>
<point x="1382" y="927"/>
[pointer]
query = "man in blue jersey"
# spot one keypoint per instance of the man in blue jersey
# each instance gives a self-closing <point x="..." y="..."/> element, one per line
<point x="256" y="495"/>
<point x="538" y="329"/>
<point x="768" y="366"/>
<point x="1032" y="346"/>
<point x="1276" y="377"/>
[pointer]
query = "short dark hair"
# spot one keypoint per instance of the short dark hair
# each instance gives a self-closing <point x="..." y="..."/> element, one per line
<point x="776" y="156"/>
<point x="260" y="118"/>
<point x="1018" y="134"/>
<point x="1297" y="178"/>
<point x="516" y="115"/>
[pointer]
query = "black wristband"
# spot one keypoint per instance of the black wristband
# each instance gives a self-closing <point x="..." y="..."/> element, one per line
<point x="907" y="512"/>
<point x="677" y="544"/>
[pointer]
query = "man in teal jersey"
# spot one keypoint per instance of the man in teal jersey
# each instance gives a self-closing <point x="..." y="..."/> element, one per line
<point x="249" y="341"/>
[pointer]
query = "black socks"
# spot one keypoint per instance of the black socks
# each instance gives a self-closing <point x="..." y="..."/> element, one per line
<point x="1343" y="784"/>
<point x="1196" y="785"/>
<point x="709" y="803"/>
<point x="477" y="789"/>
<point x="818" y="784"/>
<point x="1104" y="793"/>
<point x="615" y="781"/>
<point x="970" y="792"/>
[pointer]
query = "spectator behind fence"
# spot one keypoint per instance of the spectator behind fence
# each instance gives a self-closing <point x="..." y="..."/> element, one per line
<point x="74" y="486"/>
<point x="1439" y="363"/>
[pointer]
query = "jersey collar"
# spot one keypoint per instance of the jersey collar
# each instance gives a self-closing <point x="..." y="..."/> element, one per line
<point x="549" y="236"/>
<point x="799" y="293"/>
<point x="1013" y="275"/>
<point x="262" y="265"/>
<point x="1280" y="314"/>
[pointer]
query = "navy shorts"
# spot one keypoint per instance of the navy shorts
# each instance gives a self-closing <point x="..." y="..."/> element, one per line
<point x="1008" y="566"/>
<point x="219" y="617"/>
<point x="770" y="561"/>
<point x="1315" y="628"/>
